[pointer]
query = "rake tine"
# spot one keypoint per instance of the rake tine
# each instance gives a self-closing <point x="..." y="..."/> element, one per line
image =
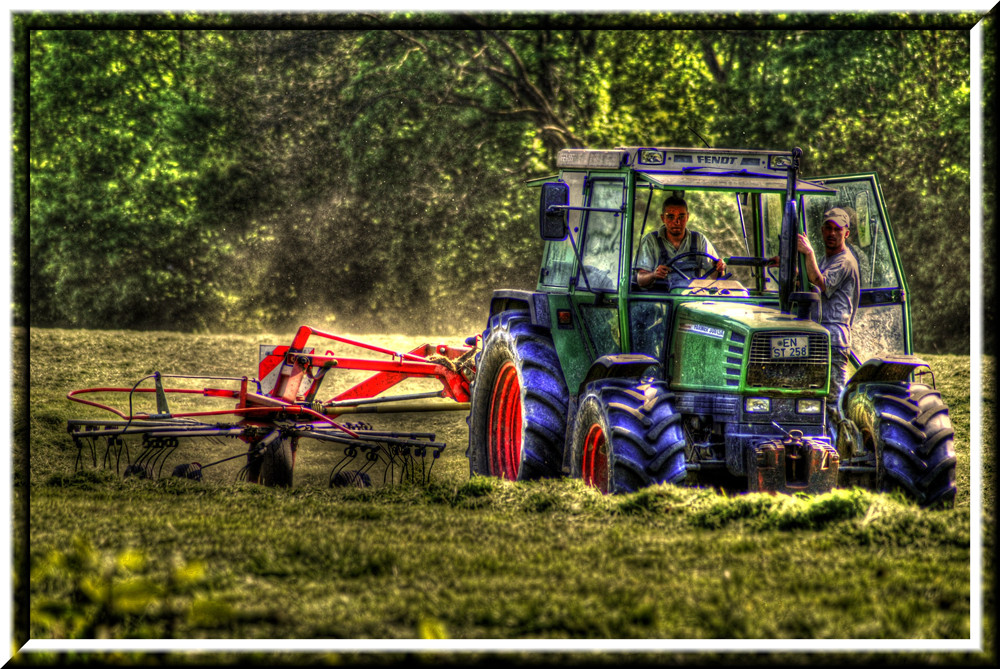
<point x="120" y="445"/>
<point x="390" y="462"/>
<point x="370" y="462"/>
<point x="396" y="453"/>
<point x="343" y="463"/>
<point x="80" y="441"/>
<point x="92" y="442"/>
<point x="219" y="462"/>
<point x="114" y="443"/>
<point x="106" y="461"/>
<point x="148" y="458"/>
<point x="144" y="456"/>
<point x="164" y="456"/>
<point x="391" y="452"/>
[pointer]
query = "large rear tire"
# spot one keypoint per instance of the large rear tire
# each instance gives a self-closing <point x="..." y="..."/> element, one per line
<point x="628" y="436"/>
<point x="909" y="431"/>
<point x="517" y="417"/>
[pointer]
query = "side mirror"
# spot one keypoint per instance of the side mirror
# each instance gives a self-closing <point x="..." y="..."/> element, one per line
<point x="552" y="215"/>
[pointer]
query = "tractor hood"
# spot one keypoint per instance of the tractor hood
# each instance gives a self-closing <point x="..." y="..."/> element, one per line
<point x="739" y="347"/>
<point x="743" y="317"/>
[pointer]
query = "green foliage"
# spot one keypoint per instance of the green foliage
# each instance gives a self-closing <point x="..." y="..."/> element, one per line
<point x="84" y="593"/>
<point x="987" y="198"/>
<point x="120" y="157"/>
<point x="370" y="175"/>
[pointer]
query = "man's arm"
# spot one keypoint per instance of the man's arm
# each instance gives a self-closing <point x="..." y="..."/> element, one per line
<point x="646" y="261"/>
<point x="645" y="278"/>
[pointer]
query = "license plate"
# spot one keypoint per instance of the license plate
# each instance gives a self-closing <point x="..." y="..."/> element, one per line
<point x="789" y="347"/>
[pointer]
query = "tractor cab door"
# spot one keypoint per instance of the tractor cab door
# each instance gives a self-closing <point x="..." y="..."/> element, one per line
<point x="581" y="274"/>
<point x="882" y="323"/>
<point x="594" y="290"/>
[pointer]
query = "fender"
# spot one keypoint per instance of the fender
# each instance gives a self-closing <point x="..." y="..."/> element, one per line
<point x="536" y="304"/>
<point x="885" y="369"/>
<point x="618" y="366"/>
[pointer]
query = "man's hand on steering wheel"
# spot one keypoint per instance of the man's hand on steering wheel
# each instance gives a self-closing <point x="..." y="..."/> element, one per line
<point x="719" y="264"/>
<point x="660" y="272"/>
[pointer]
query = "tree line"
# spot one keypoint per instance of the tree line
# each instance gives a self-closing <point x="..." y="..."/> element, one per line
<point x="201" y="172"/>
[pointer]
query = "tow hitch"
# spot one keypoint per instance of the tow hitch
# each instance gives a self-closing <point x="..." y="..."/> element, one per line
<point x="793" y="464"/>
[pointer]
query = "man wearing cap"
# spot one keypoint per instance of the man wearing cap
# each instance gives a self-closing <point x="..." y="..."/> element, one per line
<point x="837" y="278"/>
<point x="660" y="246"/>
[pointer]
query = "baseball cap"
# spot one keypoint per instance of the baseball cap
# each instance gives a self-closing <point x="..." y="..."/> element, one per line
<point x="838" y="217"/>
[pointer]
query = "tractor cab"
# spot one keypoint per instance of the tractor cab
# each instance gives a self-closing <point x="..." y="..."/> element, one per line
<point x="604" y="203"/>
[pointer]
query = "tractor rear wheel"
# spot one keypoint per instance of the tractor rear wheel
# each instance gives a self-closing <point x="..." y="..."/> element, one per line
<point x="273" y="467"/>
<point x="628" y="436"/>
<point x="909" y="432"/>
<point x="517" y="417"/>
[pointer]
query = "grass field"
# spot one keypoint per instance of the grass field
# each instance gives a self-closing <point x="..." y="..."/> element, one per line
<point x="464" y="558"/>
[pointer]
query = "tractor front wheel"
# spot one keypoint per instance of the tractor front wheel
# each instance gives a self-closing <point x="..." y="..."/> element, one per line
<point x="628" y="436"/>
<point x="908" y="433"/>
<point x="517" y="418"/>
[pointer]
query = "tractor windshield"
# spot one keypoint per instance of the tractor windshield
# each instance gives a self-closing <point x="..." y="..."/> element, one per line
<point x="713" y="214"/>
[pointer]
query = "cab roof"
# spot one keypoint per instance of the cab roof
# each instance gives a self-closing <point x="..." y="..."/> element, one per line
<point x="696" y="169"/>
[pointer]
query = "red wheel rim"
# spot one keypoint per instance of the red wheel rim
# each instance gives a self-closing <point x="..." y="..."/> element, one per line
<point x="504" y="443"/>
<point x="595" y="459"/>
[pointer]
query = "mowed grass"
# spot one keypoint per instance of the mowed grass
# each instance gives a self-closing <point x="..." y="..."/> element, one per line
<point x="458" y="557"/>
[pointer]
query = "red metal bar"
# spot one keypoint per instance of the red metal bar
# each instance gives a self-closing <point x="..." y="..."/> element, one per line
<point x="248" y="411"/>
<point x="304" y="332"/>
<point x="73" y="395"/>
<point x="392" y="372"/>
<point x="295" y="365"/>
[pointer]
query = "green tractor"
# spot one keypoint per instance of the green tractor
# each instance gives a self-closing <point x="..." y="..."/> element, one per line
<point x="709" y="380"/>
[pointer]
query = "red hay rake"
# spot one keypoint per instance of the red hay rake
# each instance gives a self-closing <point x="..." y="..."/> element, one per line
<point x="277" y="409"/>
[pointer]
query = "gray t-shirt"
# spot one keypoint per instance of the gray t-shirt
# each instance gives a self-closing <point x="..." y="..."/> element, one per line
<point x="840" y="299"/>
<point x="649" y="250"/>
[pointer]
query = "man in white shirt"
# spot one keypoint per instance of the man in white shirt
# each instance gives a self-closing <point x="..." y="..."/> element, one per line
<point x="673" y="239"/>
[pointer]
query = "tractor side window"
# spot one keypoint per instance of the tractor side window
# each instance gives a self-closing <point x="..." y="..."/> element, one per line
<point x="868" y="240"/>
<point x="648" y="325"/>
<point x="602" y="236"/>
<point x="772" y="211"/>
<point x="558" y="259"/>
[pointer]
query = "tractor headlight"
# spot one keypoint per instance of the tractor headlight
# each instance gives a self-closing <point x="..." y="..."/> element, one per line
<point x="757" y="404"/>
<point x="808" y="406"/>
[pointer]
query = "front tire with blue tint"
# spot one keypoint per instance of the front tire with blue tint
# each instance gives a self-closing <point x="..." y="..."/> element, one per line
<point x="628" y="436"/>
<point x="908" y="431"/>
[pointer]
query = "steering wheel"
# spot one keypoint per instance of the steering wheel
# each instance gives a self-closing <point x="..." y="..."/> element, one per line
<point x="670" y="263"/>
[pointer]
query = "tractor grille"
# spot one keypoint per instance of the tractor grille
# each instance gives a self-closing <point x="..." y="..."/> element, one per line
<point x="766" y="372"/>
